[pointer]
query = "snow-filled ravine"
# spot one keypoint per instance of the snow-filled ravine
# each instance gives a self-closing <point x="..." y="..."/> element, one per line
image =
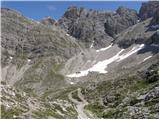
<point x="101" y="66"/>
<point x="103" y="49"/>
<point x="147" y="58"/>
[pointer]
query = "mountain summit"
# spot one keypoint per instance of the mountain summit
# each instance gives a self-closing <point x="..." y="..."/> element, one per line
<point x="88" y="64"/>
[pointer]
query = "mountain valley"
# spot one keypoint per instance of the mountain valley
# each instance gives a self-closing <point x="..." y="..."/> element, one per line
<point x="88" y="64"/>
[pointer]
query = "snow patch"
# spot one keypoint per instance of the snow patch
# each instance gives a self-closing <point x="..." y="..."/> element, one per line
<point x="59" y="112"/>
<point x="10" y="57"/>
<point x="147" y="58"/>
<point x="83" y="73"/>
<point x="14" y="116"/>
<point x="92" y="44"/>
<point x="103" y="49"/>
<point x="8" y="106"/>
<point x="99" y="67"/>
<point x="24" y="94"/>
<point x="67" y="34"/>
<point x="29" y="60"/>
<point x="71" y="83"/>
<point x="134" y="50"/>
<point x="102" y="65"/>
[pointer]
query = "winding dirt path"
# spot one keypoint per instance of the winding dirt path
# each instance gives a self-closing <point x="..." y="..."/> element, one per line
<point x="79" y="105"/>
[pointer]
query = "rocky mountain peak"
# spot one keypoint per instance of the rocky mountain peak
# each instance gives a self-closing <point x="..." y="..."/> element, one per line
<point x="100" y="27"/>
<point x="71" y="12"/>
<point x="148" y="9"/>
<point x="48" y="21"/>
<point x="123" y="11"/>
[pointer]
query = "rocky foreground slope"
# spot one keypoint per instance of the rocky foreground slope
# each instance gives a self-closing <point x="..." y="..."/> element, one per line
<point x="89" y="64"/>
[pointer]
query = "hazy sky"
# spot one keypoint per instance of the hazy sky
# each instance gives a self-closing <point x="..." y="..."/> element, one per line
<point x="38" y="10"/>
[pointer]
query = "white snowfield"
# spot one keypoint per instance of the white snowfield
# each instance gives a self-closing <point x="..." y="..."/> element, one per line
<point x="147" y="58"/>
<point x="103" y="49"/>
<point x="71" y="83"/>
<point x="67" y="34"/>
<point x="134" y="50"/>
<point x="11" y="57"/>
<point x="92" y="44"/>
<point x="29" y="60"/>
<point x="102" y="65"/>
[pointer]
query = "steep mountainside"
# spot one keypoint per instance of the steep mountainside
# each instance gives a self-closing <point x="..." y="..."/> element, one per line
<point x="96" y="27"/>
<point x="140" y="33"/>
<point x="89" y="64"/>
<point x="148" y="9"/>
<point x="20" y="34"/>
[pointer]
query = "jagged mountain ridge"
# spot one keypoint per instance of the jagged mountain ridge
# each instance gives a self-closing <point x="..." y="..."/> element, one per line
<point x="97" y="27"/>
<point x="49" y="87"/>
<point x="35" y="38"/>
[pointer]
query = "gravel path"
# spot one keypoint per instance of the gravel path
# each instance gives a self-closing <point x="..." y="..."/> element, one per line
<point x="79" y="105"/>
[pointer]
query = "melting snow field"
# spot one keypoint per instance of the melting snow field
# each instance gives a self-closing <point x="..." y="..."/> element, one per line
<point x="71" y="83"/>
<point x="92" y="44"/>
<point x="147" y="58"/>
<point x="11" y="57"/>
<point x="102" y="65"/>
<point x="29" y="60"/>
<point x="67" y="34"/>
<point x="103" y="49"/>
<point x="134" y="50"/>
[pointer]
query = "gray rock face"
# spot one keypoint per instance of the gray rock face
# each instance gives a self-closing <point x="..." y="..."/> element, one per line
<point x="155" y="19"/>
<point x="140" y="33"/>
<point x="154" y="93"/>
<point x="123" y="18"/>
<point x="98" y="26"/>
<point x="25" y="37"/>
<point x="48" y="21"/>
<point x="86" y="25"/>
<point x="149" y="9"/>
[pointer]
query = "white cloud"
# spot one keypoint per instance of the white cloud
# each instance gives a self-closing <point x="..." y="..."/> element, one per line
<point x="51" y="8"/>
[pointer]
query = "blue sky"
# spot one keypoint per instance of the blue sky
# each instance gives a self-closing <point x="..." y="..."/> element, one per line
<point x="40" y="9"/>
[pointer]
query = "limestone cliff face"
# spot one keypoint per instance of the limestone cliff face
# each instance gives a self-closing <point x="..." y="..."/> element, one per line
<point x="140" y="33"/>
<point x="118" y="22"/>
<point x="26" y="37"/>
<point x="149" y="9"/>
<point x="98" y="27"/>
<point x="48" y="21"/>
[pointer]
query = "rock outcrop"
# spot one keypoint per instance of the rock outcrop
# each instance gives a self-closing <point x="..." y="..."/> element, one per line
<point x="96" y="27"/>
<point x="140" y="33"/>
<point x="149" y="9"/>
<point x="26" y="37"/>
<point x="118" y="22"/>
<point x="48" y="21"/>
